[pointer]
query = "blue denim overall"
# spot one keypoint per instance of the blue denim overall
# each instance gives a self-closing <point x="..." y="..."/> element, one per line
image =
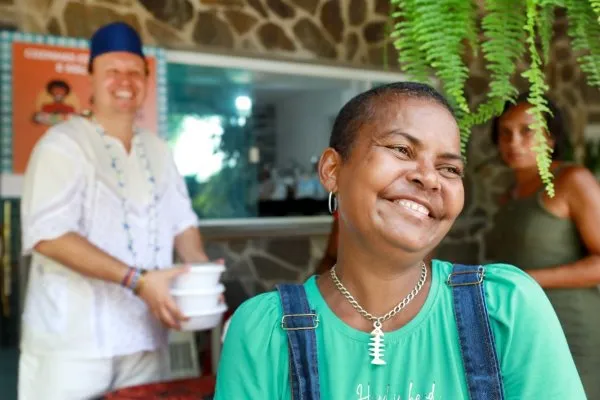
<point x="484" y="380"/>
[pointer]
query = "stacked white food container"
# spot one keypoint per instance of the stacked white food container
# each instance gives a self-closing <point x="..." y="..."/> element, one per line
<point x="198" y="295"/>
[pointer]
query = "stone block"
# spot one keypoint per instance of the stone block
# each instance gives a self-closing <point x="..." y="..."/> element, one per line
<point x="210" y="30"/>
<point x="258" y="6"/>
<point x="313" y="39"/>
<point x="374" y="32"/>
<point x="82" y="21"/>
<point x="357" y="12"/>
<point x="175" y="13"/>
<point x="332" y="21"/>
<point x="352" y="42"/>
<point x="241" y="21"/>
<point x="309" y="6"/>
<point x="281" y="9"/>
<point x="273" y="37"/>
<point x="163" y="35"/>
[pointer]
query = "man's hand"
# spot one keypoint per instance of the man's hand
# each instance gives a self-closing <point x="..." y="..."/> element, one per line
<point x="155" y="291"/>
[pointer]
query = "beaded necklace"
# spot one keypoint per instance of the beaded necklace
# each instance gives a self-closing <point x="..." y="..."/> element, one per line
<point x="152" y="208"/>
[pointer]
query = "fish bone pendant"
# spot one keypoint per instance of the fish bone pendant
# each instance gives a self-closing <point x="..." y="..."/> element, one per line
<point x="376" y="345"/>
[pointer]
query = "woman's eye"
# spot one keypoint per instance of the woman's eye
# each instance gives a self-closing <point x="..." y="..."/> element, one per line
<point x="453" y="172"/>
<point x="401" y="149"/>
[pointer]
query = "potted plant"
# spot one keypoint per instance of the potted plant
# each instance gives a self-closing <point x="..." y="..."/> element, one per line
<point x="433" y="38"/>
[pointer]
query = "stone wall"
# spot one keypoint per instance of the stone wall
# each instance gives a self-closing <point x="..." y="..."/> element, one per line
<point x="257" y="264"/>
<point x="339" y="31"/>
<point x="352" y="31"/>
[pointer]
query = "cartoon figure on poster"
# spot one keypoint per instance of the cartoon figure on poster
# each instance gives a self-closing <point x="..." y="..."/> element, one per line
<point x="50" y="85"/>
<point x="55" y="103"/>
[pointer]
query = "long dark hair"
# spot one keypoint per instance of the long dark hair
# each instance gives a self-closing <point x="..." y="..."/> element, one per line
<point x="554" y="122"/>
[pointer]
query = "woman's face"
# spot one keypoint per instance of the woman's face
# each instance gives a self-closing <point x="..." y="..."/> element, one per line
<point x="401" y="186"/>
<point x="516" y="138"/>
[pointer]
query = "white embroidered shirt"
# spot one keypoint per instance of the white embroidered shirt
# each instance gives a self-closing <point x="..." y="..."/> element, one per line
<point x="71" y="186"/>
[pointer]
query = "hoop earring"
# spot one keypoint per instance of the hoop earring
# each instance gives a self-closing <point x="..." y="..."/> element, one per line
<point x="332" y="203"/>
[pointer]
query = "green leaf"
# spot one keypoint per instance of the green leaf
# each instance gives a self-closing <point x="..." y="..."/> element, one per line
<point x="596" y="7"/>
<point x="536" y="78"/>
<point x="430" y="36"/>
<point x="584" y="29"/>
<point x="544" y="22"/>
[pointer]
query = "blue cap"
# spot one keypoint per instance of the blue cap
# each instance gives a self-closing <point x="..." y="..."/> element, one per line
<point x="116" y="36"/>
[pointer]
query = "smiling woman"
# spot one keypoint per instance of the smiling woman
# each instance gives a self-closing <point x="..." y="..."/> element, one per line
<point x="555" y="240"/>
<point x="395" y="168"/>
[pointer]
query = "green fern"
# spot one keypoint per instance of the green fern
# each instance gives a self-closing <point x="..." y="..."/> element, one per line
<point x="504" y="44"/>
<point x="556" y="3"/>
<point x="544" y="25"/>
<point x="407" y="41"/>
<point x="536" y="78"/>
<point x="432" y="36"/>
<point x="584" y="29"/>
<point x="596" y="7"/>
<point x="440" y="46"/>
<point x="471" y="31"/>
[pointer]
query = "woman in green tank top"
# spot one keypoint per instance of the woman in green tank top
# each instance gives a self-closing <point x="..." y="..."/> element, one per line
<point x="556" y="240"/>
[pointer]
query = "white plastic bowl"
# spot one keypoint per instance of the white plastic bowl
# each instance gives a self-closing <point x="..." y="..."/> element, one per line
<point x="205" y="320"/>
<point x="195" y="301"/>
<point x="201" y="276"/>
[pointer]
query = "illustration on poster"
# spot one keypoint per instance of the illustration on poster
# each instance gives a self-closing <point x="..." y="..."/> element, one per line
<point x="55" y="103"/>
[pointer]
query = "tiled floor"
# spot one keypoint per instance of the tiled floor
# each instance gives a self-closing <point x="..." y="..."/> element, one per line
<point x="8" y="373"/>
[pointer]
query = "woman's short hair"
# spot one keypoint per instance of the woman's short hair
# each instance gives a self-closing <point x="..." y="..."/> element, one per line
<point x="554" y="122"/>
<point x="362" y="108"/>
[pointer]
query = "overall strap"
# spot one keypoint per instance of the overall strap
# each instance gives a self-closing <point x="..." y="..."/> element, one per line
<point x="300" y="322"/>
<point x="480" y="360"/>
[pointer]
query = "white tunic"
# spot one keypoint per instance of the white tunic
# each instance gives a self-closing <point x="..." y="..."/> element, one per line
<point x="71" y="186"/>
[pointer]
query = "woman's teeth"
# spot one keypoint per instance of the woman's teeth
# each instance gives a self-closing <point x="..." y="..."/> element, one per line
<point x="411" y="205"/>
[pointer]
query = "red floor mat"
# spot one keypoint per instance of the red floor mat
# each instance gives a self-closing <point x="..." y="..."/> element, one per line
<point x="185" y="389"/>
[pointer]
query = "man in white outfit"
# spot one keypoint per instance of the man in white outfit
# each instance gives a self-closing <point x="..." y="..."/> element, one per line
<point x="103" y="210"/>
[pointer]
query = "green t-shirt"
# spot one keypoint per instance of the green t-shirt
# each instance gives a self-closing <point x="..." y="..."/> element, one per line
<point x="423" y="357"/>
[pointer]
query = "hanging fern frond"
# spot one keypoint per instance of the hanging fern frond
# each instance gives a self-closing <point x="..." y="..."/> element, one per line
<point x="556" y="3"/>
<point x="465" y="127"/>
<point x="471" y="31"/>
<point x="504" y="45"/>
<point x="544" y="26"/>
<point x="536" y="78"/>
<point x="584" y="29"/>
<point x="441" y="43"/>
<point x="596" y="7"/>
<point x="432" y="36"/>
<point x="410" y="55"/>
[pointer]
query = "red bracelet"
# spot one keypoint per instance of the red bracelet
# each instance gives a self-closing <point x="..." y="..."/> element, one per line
<point x="127" y="277"/>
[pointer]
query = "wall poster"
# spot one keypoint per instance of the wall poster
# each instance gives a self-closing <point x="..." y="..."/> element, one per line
<point x="44" y="80"/>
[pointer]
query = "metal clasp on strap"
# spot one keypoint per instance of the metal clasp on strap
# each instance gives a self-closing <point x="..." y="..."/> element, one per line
<point x="315" y="319"/>
<point x="480" y="274"/>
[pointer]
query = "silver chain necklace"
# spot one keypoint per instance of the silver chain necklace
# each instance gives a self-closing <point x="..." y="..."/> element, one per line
<point x="376" y="345"/>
